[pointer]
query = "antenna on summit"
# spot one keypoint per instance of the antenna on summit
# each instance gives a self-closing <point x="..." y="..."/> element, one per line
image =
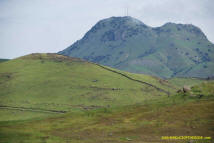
<point x="126" y="11"/>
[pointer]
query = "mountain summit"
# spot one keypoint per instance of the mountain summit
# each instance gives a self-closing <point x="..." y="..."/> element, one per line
<point x="125" y="43"/>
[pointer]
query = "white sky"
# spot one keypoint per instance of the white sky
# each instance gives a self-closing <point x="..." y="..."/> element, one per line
<point x="29" y="26"/>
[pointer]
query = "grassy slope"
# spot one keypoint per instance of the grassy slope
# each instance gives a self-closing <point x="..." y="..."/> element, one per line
<point x="179" y="115"/>
<point x="180" y="82"/>
<point x="54" y="82"/>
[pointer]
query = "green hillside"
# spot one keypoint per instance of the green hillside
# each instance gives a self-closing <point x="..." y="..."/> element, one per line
<point x="125" y="43"/>
<point x="50" y="98"/>
<point x="180" y="82"/>
<point x="50" y="82"/>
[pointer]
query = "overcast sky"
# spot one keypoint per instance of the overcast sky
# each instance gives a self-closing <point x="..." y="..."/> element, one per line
<point x="29" y="26"/>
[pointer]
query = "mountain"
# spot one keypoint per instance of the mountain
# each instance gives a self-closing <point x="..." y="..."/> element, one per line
<point x="48" y="82"/>
<point x="125" y="43"/>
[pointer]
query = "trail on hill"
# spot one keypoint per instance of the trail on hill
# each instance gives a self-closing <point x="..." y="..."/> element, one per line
<point x="139" y="81"/>
<point x="30" y="109"/>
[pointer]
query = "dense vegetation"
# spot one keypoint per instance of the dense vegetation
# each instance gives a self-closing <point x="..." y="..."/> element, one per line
<point x="125" y="43"/>
<point x="56" y="99"/>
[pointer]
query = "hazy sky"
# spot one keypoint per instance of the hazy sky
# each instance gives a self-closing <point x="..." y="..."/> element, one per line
<point x="29" y="26"/>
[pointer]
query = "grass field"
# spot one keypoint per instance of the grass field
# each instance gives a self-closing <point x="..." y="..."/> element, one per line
<point x="173" y="116"/>
<point x="180" y="82"/>
<point x="49" y="98"/>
